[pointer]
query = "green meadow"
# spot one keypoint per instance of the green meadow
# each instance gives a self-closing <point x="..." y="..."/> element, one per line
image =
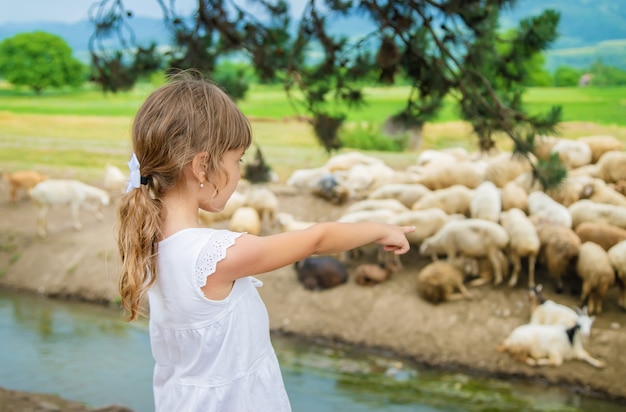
<point x="76" y="133"/>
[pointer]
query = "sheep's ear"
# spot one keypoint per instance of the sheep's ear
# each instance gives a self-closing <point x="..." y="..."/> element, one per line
<point x="578" y="311"/>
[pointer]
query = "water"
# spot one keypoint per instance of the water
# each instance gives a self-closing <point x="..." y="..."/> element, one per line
<point x="89" y="354"/>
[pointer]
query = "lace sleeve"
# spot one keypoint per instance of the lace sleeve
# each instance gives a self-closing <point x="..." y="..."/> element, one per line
<point x="213" y="252"/>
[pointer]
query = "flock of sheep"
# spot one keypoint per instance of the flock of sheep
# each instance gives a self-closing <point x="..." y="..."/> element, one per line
<point x="477" y="216"/>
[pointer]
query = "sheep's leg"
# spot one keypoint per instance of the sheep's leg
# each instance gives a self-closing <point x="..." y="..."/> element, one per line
<point x="479" y="282"/>
<point x="584" y="296"/>
<point x="464" y="291"/>
<point x="75" y="216"/>
<point x="585" y="356"/>
<point x="497" y="268"/>
<point x="517" y="267"/>
<point x="532" y="261"/>
<point x="42" y="220"/>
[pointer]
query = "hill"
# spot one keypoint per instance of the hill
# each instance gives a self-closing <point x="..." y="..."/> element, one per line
<point x="589" y="30"/>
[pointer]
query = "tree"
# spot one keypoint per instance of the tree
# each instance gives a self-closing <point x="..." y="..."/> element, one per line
<point x="40" y="61"/>
<point x="442" y="47"/>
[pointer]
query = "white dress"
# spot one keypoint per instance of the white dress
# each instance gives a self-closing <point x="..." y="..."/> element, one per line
<point x="210" y="355"/>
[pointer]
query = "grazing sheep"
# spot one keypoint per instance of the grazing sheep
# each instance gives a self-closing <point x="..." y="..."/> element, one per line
<point x="595" y="269"/>
<point x="114" y="180"/>
<point x="506" y="167"/>
<point x="405" y="193"/>
<point x="376" y="204"/>
<point x="602" y="192"/>
<point x="513" y="196"/>
<point x="370" y="274"/>
<point x="329" y="188"/>
<point x="543" y="206"/>
<point x="547" y="312"/>
<point x="321" y="272"/>
<point x="602" y="234"/>
<point x="381" y="216"/>
<point x="590" y="211"/>
<point x="541" y="345"/>
<point x="524" y="243"/>
<point x="559" y="249"/>
<point x="438" y="281"/>
<point x="22" y="180"/>
<point x="53" y="192"/>
<point x="234" y="202"/>
<point x="617" y="257"/>
<point x="486" y="202"/>
<point x="288" y="223"/>
<point x="611" y="167"/>
<point x="436" y="177"/>
<point x="454" y="199"/>
<point x="346" y="161"/>
<point x="572" y="153"/>
<point x="544" y="145"/>
<point x="427" y="222"/>
<point x="245" y="219"/>
<point x="599" y="145"/>
<point x="307" y="178"/>
<point x="469" y="237"/>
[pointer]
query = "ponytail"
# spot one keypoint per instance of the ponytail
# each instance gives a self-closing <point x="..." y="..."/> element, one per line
<point x="139" y="223"/>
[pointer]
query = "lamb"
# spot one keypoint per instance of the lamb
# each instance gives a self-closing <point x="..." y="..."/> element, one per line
<point x="469" y="237"/>
<point x="370" y="274"/>
<point x="53" y="192"/>
<point x="589" y="211"/>
<point x="454" y="199"/>
<point x="22" y="180"/>
<point x="265" y="202"/>
<point x="539" y="345"/>
<point x="524" y="243"/>
<point x="486" y="202"/>
<point x="617" y="257"/>
<point x="611" y="167"/>
<point x="543" y="206"/>
<point x="321" y="272"/>
<point x="376" y="204"/>
<point x="329" y="188"/>
<point x="438" y="281"/>
<point x="602" y="234"/>
<point x="559" y="249"/>
<point x="572" y="153"/>
<point x="114" y="180"/>
<point x="466" y="173"/>
<point x="547" y="312"/>
<point x="288" y="222"/>
<point x="595" y="269"/>
<point x="601" y="144"/>
<point x="307" y="178"/>
<point x="245" y="219"/>
<point x="405" y="193"/>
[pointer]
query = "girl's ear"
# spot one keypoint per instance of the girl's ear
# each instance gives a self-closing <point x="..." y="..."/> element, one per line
<point x="198" y="166"/>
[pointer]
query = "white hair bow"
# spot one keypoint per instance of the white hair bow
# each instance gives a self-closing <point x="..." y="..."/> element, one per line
<point x="134" y="180"/>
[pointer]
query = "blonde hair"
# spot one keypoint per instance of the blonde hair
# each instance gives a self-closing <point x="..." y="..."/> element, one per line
<point x="187" y="116"/>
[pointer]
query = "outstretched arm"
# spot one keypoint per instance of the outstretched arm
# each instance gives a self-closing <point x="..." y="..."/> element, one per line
<point x="251" y="255"/>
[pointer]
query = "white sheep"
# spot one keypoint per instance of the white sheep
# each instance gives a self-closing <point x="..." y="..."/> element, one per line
<point x="114" y="181"/>
<point x="234" y="202"/>
<point x="543" y="206"/>
<point x="245" y="219"/>
<point x="611" y="167"/>
<point x="594" y="268"/>
<point x="539" y="345"/>
<point x="441" y="176"/>
<point x="617" y="257"/>
<point x="288" y="222"/>
<point x="469" y="237"/>
<point x="505" y="167"/>
<point x="547" y="312"/>
<point x="346" y="161"/>
<point x="265" y="202"/>
<point x="76" y="194"/>
<point x="307" y="178"/>
<point x="601" y="144"/>
<point x="375" y="204"/>
<point x="452" y="200"/>
<point x="381" y="216"/>
<point x="486" y="202"/>
<point x="405" y="193"/>
<point x="589" y="211"/>
<point x="601" y="192"/>
<point x="572" y="153"/>
<point x="513" y="196"/>
<point x="427" y="222"/>
<point x="524" y="242"/>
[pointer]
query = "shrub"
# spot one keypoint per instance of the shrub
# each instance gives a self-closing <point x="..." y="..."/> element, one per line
<point x="368" y="137"/>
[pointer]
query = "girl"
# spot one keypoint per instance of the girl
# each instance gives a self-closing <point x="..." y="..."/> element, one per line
<point x="209" y="329"/>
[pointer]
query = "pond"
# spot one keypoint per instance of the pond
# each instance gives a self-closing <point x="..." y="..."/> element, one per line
<point x="87" y="353"/>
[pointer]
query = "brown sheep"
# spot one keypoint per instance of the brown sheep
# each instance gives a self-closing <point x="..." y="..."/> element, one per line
<point x="437" y="281"/>
<point x="595" y="269"/>
<point x="22" y="180"/>
<point x="370" y="274"/>
<point x="603" y="234"/>
<point x="559" y="248"/>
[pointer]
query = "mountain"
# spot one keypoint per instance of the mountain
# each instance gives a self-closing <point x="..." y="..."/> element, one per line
<point x="589" y="30"/>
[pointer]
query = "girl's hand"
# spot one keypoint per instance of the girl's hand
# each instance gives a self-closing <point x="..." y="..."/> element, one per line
<point x="395" y="241"/>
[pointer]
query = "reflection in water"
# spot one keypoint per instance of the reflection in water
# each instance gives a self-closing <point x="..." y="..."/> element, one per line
<point x="89" y="354"/>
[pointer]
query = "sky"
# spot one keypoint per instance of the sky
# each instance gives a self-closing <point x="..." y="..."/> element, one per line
<point x="71" y="11"/>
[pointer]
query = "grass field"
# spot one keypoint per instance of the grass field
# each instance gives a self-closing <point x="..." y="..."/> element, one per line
<point x="68" y="133"/>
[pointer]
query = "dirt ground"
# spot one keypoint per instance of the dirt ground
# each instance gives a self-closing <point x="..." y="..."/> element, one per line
<point x="389" y="317"/>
